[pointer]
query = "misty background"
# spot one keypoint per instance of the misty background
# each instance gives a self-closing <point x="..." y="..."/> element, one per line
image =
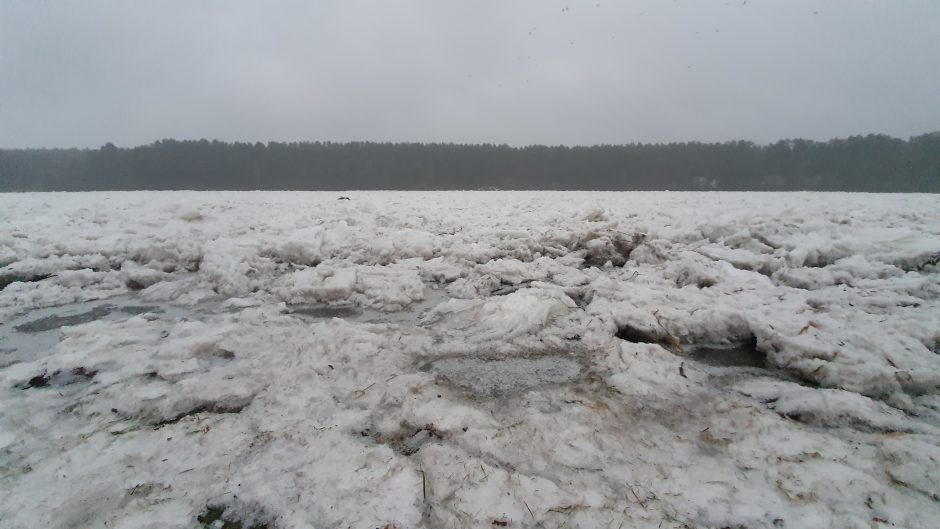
<point x="511" y="74"/>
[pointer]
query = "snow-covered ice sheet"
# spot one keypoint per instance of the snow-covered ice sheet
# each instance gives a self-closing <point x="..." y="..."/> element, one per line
<point x="473" y="359"/>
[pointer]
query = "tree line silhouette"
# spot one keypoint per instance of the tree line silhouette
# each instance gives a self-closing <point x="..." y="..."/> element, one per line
<point x="875" y="163"/>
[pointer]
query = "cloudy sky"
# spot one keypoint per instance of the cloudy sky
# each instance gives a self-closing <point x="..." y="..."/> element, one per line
<point x="87" y="72"/>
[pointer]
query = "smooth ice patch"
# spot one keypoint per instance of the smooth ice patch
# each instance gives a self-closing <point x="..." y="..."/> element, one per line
<point x="493" y="376"/>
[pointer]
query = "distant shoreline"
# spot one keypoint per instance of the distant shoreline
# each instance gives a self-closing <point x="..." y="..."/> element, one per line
<point x="872" y="163"/>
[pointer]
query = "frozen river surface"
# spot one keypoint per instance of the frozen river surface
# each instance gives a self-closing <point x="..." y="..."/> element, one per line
<point x="477" y="359"/>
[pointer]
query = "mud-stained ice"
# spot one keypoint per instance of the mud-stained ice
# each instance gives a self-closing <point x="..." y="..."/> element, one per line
<point x="494" y="376"/>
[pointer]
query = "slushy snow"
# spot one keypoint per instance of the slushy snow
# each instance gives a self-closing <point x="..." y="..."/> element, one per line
<point x="469" y="359"/>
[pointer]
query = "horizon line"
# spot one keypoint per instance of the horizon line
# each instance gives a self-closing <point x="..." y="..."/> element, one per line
<point x="465" y="144"/>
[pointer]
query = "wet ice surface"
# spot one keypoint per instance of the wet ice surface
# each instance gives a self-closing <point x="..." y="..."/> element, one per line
<point x="488" y="376"/>
<point x="273" y="375"/>
<point x="36" y="332"/>
<point x="408" y="315"/>
<point x="318" y="312"/>
<point x="740" y="354"/>
<point x="55" y="321"/>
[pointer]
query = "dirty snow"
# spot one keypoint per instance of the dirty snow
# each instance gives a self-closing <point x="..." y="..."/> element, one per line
<point x="469" y="360"/>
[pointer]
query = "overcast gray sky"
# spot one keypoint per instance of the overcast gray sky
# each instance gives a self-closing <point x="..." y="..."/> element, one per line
<point x="520" y="72"/>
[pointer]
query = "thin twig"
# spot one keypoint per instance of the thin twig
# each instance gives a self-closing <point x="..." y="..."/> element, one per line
<point x="424" y="485"/>
<point x="672" y="339"/>
<point x="361" y="392"/>
<point x="638" y="500"/>
<point x="528" y="509"/>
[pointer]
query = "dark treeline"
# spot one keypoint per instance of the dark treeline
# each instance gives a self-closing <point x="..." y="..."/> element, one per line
<point x="858" y="163"/>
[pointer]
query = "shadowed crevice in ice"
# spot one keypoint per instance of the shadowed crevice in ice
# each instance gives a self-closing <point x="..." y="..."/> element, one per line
<point x="501" y="375"/>
<point x="599" y="248"/>
<point x="735" y="352"/>
<point x="214" y="517"/>
<point x="637" y="335"/>
<point x="923" y="263"/>
<point x="582" y="297"/>
<point x="8" y="279"/>
<point x="407" y="441"/>
<point x="509" y="288"/>
<point x="59" y="378"/>
<point x="231" y="406"/>
<point x="846" y="421"/>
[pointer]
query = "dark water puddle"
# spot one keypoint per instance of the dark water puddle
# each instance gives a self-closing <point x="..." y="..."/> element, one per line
<point x="34" y="333"/>
<point x="54" y="322"/>
<point x="409" y="315"/>
<point x="137" y="310"/>
<point x="487" y="375"/>
<point x="320" y="312"/>
<point x="739" y="354"/>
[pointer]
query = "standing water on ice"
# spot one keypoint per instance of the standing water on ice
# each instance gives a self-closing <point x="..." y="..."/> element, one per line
<point x="738" y="354"/>
<point x="319" y="312"/>
<point x="410" y="314"/>
<point x="55" y="321"/>
<point x="36" y="333"/>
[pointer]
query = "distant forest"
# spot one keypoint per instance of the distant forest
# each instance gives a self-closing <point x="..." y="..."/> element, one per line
<point x="860" y="163"/>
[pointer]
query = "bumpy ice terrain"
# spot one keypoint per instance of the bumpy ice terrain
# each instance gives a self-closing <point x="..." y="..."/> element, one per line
<point x="479" y="359"/>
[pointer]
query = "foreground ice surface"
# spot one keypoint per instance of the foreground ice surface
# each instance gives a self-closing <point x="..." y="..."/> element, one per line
<point x="469" y="359"/>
